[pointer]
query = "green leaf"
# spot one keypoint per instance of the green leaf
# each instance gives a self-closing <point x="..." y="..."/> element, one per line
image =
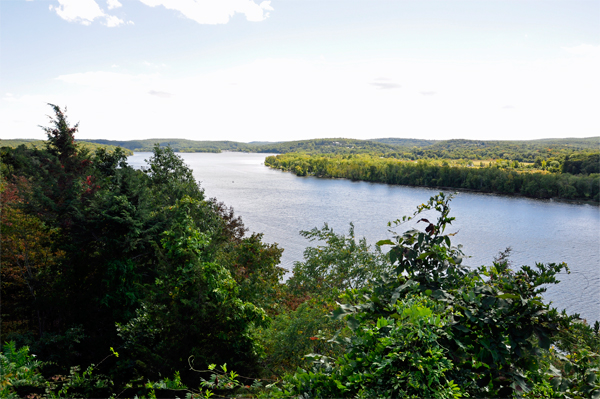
<point x="590" y="377"/>
<point x="447" y="240"/>
<point x="342" y="310"/>
<point x="508" y="296"/>
<point x="521" y="382"/>
<point x="544" y="341"/>
<point x="393" y="255"/>
<point x="382" y="322"/>
<point x="461" y="328"/>
<point x="353" y="323"/>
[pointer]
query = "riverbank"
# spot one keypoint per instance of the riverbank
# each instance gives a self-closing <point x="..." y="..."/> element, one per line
<point x="494" y="180"/>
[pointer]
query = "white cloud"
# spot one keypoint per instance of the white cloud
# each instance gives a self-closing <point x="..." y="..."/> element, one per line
<point x="215" y="11"/>
<point x="113" y="4"/>
<point x="112" y="21"/>
<point x="86" y="11"/>
<point x="82" y="11"/>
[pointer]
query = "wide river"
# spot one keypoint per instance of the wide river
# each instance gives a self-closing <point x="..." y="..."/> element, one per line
<point x="280" y="204"/>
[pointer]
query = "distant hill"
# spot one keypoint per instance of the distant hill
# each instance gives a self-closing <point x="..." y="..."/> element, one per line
<point x="40" y="144"/>
<point x="327" y="146"/>
<point x="587" y="143"/>
<point x="406" y="142"/>
<point x="334" y="145"/>
<point x="522" y="151"/>
<point x="178" y="145"/>
<point x="263" y="142"/>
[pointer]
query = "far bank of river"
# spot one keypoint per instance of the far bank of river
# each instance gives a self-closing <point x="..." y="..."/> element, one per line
<point x="280" y="204"/>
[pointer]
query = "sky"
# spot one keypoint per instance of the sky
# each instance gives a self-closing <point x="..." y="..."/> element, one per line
<point x="280" y="70"/>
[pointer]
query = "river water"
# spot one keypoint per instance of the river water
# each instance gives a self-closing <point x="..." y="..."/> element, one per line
<point x="280" y="204"/>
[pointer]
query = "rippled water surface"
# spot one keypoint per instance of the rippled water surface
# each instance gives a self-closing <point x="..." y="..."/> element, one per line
<point x="280" y="204"/>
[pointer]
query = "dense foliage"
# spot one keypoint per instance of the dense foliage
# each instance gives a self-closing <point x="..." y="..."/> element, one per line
<point x="500" y="177"/>
<point x="122" y="282"/>
<point x="434" y="328"/>
<point x="96" y="254"/>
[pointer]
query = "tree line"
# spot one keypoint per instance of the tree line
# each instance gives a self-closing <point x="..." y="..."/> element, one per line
<point x="500" y="178"/>
<point x="88" y="146"/>
<point x="528" y="151"/>
<point x="118" y="282"/>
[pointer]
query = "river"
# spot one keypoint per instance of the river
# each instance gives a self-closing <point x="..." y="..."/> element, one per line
<point x="280" y="204"/>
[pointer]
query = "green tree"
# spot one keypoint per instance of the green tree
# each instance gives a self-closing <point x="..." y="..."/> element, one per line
<point x="343" y="262"/>
<point x="107" y="246"/>
<point x="192" y="308"/>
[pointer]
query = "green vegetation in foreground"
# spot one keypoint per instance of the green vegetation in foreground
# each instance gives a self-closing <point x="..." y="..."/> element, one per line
<point x="118" y="282"/>
<point x="40" y="144"/>
<point x="503" y="177"/>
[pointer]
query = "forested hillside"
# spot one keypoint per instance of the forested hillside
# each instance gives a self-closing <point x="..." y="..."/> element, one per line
<point x="87" y="146"/>
<point x="177" y="145"/>
<point x="119" y="282"/>
<point x="528" y="151"/>
<point x="317" y="146"/>
<point x="406" y="143"/>
<point x="475" y="150"/>
<point x="327" y="146"/>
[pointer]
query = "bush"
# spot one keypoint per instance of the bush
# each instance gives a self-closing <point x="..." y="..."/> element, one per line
<point x="434" y="328"/>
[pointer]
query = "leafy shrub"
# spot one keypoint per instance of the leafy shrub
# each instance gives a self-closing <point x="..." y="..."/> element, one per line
<point x="343" y="262"/>
<point x="293" y="334"/>
<point x="395" y="356"/>
<point x="21" y="376"/>
<point x="19" y="371"/>
<point x="434" y="328"/>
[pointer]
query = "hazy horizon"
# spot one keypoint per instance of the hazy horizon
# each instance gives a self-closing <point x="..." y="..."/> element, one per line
<point x="246" y="70"/>
<point x="320" y="138"/>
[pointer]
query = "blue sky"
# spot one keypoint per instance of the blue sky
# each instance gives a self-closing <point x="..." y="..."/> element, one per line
<point x="276" y="70"/>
